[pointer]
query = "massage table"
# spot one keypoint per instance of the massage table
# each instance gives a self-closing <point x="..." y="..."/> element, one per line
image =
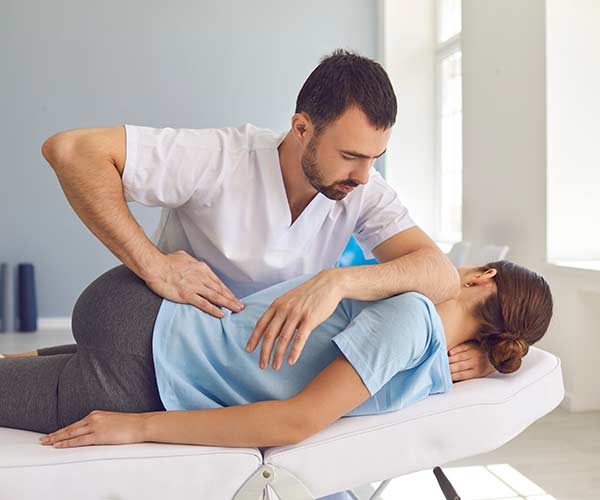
<point x="475" y="417"/>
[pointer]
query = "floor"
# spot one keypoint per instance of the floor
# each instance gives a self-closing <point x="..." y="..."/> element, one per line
<point x="557" y="457"/>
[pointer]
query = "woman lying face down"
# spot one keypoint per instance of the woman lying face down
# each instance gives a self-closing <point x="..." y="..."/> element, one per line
<point x="138" y="355"/>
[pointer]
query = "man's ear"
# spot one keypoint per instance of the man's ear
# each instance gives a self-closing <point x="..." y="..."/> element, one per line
<point x="302" y="127"/>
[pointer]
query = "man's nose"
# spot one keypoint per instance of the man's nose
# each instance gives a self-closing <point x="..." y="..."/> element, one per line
<point x="361" y="174"/>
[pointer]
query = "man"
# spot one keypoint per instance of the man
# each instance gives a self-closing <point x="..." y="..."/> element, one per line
<point x="259" y="207"/>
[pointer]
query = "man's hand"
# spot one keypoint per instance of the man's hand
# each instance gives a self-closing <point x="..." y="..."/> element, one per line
<point x="182" y="278"/>
<point x="302" y="308"/>
<point x="468" y="360"/>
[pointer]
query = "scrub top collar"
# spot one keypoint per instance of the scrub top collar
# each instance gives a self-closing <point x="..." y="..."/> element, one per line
<point x="313" y="214"/>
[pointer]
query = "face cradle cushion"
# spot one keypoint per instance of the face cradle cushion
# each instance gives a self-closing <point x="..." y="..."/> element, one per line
<point x="476" y="416"/>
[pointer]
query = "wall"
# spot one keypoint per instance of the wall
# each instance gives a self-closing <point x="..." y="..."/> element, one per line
<point x="504" y="127"/>
<point x="506" y="152"/>
<point x="573" y="66"/>
<point x="182" y="63"/>
<point x="407" y="52"/>
<point x="573" y="122"/>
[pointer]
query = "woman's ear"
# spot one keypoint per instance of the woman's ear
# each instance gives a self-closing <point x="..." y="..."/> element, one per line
<point x="481" y="278"/>
<point x="490" y="273"/>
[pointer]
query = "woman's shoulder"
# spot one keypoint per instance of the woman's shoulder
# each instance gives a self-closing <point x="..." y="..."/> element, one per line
<point x="416" y="309"/>
<point x="411" y="299"/>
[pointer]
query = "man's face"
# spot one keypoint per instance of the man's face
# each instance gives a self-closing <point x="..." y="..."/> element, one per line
<point x="343" y="153"/>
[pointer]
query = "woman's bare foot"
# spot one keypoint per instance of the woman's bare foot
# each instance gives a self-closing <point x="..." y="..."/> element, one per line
<point x="20" y="354"/>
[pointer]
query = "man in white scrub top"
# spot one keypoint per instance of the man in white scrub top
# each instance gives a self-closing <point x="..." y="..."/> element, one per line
<point x="245" y="207"/>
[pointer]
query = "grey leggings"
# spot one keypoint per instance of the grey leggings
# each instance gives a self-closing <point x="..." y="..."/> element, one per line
<point x="109" y="368"/>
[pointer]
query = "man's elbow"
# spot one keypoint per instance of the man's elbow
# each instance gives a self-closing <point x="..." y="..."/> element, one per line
<point x="454" y="281"/>
<point x="55" y="148"/>
<point x="452" y="278"/>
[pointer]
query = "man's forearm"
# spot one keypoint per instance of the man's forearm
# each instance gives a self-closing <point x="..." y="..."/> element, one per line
<point x="424" y="270"/>
<point x="94" y="189"/>
<point x="265" y="423"/>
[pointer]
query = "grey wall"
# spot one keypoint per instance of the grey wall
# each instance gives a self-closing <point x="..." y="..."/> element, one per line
<point x="183" y="63"/>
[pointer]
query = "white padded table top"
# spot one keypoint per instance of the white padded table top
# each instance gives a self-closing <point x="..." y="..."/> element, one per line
<point x="477" y="416"/>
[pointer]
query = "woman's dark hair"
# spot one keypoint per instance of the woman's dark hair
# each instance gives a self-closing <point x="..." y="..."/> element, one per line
<point x="345" y="79"/>
<point x="514" y="318"/>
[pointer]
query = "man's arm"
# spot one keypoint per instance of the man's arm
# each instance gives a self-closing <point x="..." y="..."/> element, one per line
<point x="89" y="164"/>
<point x="409" y="261"/>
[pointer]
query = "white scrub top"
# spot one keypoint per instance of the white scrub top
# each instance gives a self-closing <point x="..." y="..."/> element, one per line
<point x="224" y="202"/>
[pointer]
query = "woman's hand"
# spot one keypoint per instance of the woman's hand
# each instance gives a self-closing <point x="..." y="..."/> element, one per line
<point x="99" y="427"/>
<point x="468" y="360"/>
<point x="180" y="277"/>
<point x="303" y="308"/>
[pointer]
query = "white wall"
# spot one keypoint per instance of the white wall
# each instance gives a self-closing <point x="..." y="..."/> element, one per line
<point x="190" y="63"/>
<point x="407" y="53"/>
<point x="504" y="128"/>
<point x="505" y="151"/>
<point x="573" y="125"/>
<point x="573" y="88"/>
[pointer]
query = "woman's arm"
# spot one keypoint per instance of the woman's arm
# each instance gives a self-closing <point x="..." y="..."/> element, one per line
<point x="336" y="390"/>
<point x="265" y="423"/>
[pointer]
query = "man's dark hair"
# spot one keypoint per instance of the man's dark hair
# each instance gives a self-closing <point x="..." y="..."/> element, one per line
<point x="345" y="79"/>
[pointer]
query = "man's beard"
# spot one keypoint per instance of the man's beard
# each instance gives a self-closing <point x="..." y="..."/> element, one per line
<point x="313" y="173"/>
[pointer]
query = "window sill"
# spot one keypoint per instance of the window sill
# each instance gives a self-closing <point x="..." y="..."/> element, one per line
<point x="586" y="265"/>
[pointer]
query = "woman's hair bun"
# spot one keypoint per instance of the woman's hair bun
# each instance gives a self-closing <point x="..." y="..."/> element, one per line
<point x="505" y="351"/>
<point x="514" y="317"/>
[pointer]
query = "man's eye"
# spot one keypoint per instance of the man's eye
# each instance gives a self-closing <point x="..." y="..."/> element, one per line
<point x="347" y="157"/>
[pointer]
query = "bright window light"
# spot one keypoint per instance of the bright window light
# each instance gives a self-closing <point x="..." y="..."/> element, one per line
<point x="448" y="168"/>
<point x="475" y="482"/>
<point x="449" y="19"/>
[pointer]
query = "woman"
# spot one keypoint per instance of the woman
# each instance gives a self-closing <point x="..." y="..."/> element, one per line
<point x="138" y="355"/>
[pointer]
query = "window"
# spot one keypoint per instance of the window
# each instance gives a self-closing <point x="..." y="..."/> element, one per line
<point x="573" y="121"/>
<point x="448" y="163"/>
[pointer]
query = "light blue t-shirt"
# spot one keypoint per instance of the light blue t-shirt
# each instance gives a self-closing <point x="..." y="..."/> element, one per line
<point x="396" y="345"/>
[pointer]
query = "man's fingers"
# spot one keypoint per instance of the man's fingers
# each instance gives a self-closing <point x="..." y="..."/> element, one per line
<point x="204" y="305"/>
<point x="259" y="328"/>
<point x="215" y="295"/>
<point x="226" y="292"/>
<point x="304" y="331"/>
<point x="271" y="332"/>
<point x="283" y="341"/>
<point x="221" y="287"/>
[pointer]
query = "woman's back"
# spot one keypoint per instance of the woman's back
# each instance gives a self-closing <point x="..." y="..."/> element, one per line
<point x="397" y="346"/>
